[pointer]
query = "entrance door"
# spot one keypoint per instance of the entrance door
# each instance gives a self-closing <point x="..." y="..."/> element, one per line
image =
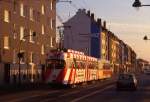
<point x="7" y="73"/>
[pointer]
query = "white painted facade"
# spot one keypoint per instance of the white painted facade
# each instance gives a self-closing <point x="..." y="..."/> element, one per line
<point x="78" y="36"/>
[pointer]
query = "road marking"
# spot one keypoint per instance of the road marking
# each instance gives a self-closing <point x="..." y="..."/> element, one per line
<point x="91" y="94"/>
<point x="69" y="93"/>
<point x="91" y="87"/>
<point x="87" y="88"/>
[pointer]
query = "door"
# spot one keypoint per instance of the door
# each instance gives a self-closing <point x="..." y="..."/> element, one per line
<point x="7" y="73"/>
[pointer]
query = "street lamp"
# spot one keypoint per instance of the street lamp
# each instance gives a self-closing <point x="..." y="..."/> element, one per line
<point x="146" y="38"/>
<point x="137" y="3"/>
<point x="21" y="55"/>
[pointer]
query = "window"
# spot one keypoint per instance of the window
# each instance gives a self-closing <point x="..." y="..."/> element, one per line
<point x="31" y="14"/>
<point x="14" y="6"/>
<point x="43" y="30"/>
<point x="51" y="4"/>
<point x="6" y="42"/>
<point x="22" y="59"/>
<point x="31" y="36"/>
<point x="43" y="9"/>
<point x="31" y="57"/>
<point x="14" y="31"/>
<point x="14" y="56"/>
<point x="53" y="24"/>
<point x="35" y="15"/>
<point x="59" y="64"/>
<point x="26" y="10"/>
<point x="38" y="16"/>
<point x="51" y="42"/>
<point x="22" y="10"/>
<point x="42" y="50"/>
<point x="22" y="33"/>
<point x="6" y="16"/>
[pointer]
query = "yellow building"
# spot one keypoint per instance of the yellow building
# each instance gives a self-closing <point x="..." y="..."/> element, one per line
<point x="104" y="44"/>
<point x="19" y="20"/>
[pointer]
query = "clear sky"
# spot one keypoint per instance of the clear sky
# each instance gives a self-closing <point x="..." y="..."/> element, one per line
<point x="128" y="23"/>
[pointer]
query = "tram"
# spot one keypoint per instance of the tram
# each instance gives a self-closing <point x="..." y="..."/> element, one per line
<point x="73" y="67"/>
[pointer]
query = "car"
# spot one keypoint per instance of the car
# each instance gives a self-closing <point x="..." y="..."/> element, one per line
<point x="146" y="71"/>
<point x="126" y="81"/>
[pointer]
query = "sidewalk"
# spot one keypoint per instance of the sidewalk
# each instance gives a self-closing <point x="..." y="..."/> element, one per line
<point x="9" y="89"/>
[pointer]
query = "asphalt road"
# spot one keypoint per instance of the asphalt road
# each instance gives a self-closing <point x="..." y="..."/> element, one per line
<point x="99" y="92"/>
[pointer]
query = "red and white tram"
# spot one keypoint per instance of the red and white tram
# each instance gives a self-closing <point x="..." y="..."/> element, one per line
<point x="73" y="67"/>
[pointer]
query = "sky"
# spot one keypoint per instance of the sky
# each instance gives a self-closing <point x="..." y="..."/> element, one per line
<point x="128" y="23"/>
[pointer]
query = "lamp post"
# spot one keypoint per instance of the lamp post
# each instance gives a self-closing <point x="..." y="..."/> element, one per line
<point x="21" y="55"/>
<point x="137" y="3"/>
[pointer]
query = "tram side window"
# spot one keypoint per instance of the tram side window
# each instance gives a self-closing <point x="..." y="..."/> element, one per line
<point x="77" y="64"/>
<point x="95" y="66"/>
<point x="49" y="65"/>
<point x="82" y="65"/>
<point x="57" y="64"/>
<point x="91" y="66"/>
<point x="60" y="64"/>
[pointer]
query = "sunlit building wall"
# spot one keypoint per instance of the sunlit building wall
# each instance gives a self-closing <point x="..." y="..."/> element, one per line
<point x="19" y="19"/>
<point x="104" y="45"/>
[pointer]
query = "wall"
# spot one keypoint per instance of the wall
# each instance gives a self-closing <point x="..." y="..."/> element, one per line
<point x="78" y="36"/>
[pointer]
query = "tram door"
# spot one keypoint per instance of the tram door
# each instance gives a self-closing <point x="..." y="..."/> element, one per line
<point x="7" y="73"/>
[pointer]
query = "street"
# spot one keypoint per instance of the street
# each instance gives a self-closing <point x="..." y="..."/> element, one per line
<point x="103" y="91"/>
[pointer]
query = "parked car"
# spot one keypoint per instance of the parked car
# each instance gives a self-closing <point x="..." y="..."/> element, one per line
<point x="126" y="81"/>
<point x="146" y="71"/>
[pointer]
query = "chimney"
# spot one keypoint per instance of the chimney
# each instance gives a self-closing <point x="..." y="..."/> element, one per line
<point x="88" y="13"/>
<point x="92" y="16"/>
<point x="84" y="10"/>
<point x="104" y="24"/>
<point x="79" y="11"/>
<point x="99" y="22"/>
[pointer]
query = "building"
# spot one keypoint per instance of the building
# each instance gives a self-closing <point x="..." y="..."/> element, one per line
<point x="88" y="35"/>
<point x="83" y="34"/>
<point x="121" y="57"/>
<point x="114" y="51"/>
<point x="19" y="20"/>
<point x="104" y="42"/>
<point x="133" y="61"/>
<point x="141" y="64"/>
<point x="95" y="37"/>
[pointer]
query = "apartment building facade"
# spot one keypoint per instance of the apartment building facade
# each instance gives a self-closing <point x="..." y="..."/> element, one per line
<point x="78" y="38"/>
<point x="83" y="34"/>
<point x="104" y="42"/>
<point x="19" y="21"/>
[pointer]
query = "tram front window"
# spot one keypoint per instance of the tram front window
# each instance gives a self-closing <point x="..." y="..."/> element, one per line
<point x="57" y="64"/>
